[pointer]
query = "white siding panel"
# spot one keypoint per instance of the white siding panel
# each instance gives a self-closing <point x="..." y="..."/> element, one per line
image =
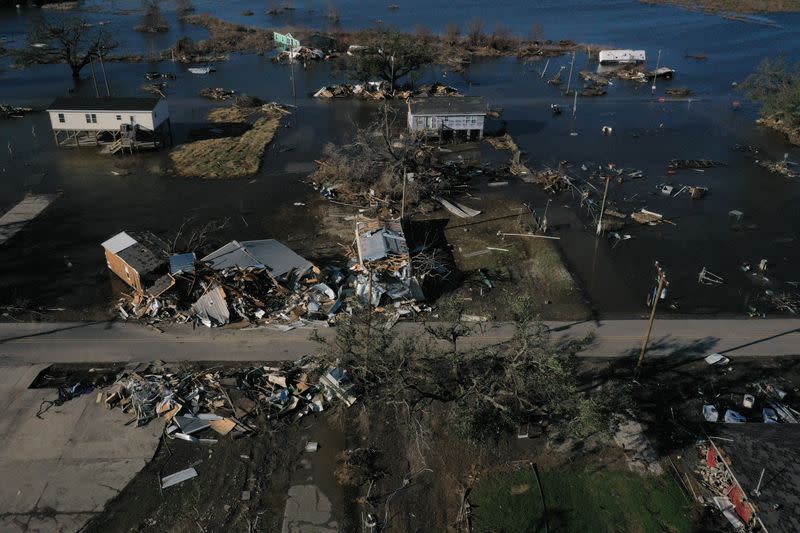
<point x="106" y="120"/>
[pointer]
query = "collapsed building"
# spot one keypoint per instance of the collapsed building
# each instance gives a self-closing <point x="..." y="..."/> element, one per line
<point x="384" y="264"/>
<point x="754" y="474"/>
<point x="137" y="258"/>
<point x="263" y="282"/>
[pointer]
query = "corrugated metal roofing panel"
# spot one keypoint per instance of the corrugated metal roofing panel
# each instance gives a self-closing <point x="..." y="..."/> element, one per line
<point x="266" y="253"/>
<point x="180" y="263"/>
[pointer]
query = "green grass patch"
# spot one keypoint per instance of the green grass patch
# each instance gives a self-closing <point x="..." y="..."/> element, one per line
<point x="577" y="501"/>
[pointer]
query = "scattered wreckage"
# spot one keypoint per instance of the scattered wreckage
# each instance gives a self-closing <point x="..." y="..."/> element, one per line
<point x="10" y="111"/>
<point x="201" y="405"/>
<point x="302" y="54"/>
<point x="381" y="90"/>
<point x="217" y="93"/>
<point x="263" y="283"/>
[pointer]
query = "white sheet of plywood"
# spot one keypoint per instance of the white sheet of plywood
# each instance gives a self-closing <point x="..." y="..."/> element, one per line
<point x="18" y="216"/>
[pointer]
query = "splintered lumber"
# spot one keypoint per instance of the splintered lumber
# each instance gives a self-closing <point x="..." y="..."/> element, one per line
<point x="647" y="217"/>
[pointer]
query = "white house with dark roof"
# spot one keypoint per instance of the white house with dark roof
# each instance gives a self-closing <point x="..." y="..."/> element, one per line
<point x="447" y="116"/>
<point x="122" y="122"/>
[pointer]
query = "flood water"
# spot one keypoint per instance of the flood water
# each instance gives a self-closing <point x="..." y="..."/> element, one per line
<point x="57" y="261"/>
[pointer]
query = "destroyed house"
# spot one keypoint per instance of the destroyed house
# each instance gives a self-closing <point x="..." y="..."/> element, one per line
<point x="116" y="121"/>
<point x="136" y="257"/>
<point x="280" y="260"/>
<point x="447" y="117"/>
<point x="758" y="467"/>
<point x="383" y="254"/>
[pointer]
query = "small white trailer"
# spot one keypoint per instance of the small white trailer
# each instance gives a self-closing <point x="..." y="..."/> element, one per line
<point x="621" y="56"/>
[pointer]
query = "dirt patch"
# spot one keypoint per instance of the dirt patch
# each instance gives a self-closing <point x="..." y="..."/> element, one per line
<point x="497" y="267"/>
<point x="212" y="501"/>
<point x="228" y="157"/>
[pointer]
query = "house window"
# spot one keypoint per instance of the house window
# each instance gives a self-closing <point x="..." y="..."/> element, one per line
<point x="61" y="118"/>
<point x="88" y="118"/>
<point x="94" y="118"/>
<point x="119" y="117"/>
<point x="132" y="119"/>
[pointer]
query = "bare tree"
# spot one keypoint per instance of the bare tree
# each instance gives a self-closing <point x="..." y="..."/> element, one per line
<point x="72" y="40"/>
<point x="476" y="33"/>
<point x="537" y="33"/>
<point x="452" y="34"/>
<point x="153" y="20"/>
<point x="185" y="8"/>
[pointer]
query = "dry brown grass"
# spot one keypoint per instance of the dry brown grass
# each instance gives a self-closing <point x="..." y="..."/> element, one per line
<point x="734" y="6"/>
<point x="228" y="157"/>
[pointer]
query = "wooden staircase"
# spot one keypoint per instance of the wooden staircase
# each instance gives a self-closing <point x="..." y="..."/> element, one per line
<point x="116" y="146"/>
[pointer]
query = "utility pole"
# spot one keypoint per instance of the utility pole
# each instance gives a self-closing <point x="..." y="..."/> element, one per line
<point x="655" y="72"/>
<point x="94" y="78"/>
<point x="572" y="64"/>
<point x="403" y="202"/>
<point x="575" y="105"/>
<point x="603" y="207"/>
<point x="294" y="94"/>
<point x="103" y="68"/>
<point x="662" y="282"/>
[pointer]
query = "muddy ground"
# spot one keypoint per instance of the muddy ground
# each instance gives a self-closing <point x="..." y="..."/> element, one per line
<point x="421" y="472"/>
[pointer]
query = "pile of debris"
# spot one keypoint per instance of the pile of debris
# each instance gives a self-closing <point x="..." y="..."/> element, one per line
<point x="302" y="54"/>
<point x="551" y="180"/>
<point x="157" y="88"/>
<point x="262" y="283"/>
<point x="251" y="282"/>
<point x="154" y="75"/>
<point x="596" y="79"/>
<point x="677" y="164"/>
<point x="10" y="111"/>
<point x="639" y="75"/>
<point x="506" y="142"/>
<point x="678" y="91"/>
<point x="783" y="167"/>
<point x="381" y="90"/>
<point x="383" y="266"/>
<point x="650" y="218"/>
<point x="217" y="93"/>
<point x="203" y="403"/>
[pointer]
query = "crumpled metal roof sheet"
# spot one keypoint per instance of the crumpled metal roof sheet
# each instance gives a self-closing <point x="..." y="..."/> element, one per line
<point x="265" y="253"/>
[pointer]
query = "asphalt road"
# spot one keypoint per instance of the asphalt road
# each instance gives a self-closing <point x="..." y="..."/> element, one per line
<point x="118" y="342"/>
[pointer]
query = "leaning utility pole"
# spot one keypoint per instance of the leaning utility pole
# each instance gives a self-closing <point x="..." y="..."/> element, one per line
<point x="662" y="282"/>
<point x="569" y="80"/>
<point x="103" y="68"/>
<point x="94" y="78"/>
<point x="603" y="208"/>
